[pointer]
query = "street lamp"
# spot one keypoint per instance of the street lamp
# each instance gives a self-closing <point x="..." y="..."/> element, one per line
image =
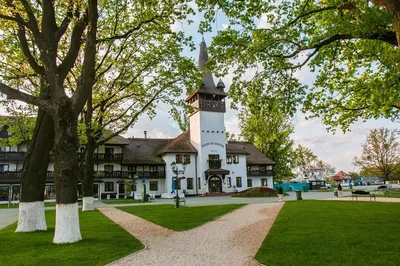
<point x="177" y="172"/>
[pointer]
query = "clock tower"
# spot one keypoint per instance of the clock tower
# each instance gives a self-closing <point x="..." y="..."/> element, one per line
<point x="207" y="129"/>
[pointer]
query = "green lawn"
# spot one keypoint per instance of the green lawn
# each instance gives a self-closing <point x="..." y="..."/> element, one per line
<point x="334" y="233"/>
<point x="123" y="201"/>
<point x="103" y="242"/>
<point x="181" y="219"/>
<point x="46" y="204"/>
<point x="391" y="195"/>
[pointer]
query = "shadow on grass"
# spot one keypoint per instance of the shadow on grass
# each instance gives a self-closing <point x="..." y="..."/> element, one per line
<point x="333" y="233"/>
<point x="103" y="242"/>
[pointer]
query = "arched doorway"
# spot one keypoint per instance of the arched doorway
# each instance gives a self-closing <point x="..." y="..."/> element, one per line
<point x="215" y="184"/>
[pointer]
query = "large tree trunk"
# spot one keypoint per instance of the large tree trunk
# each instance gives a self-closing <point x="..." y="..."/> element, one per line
<point x="87" y="184"/>
<point x="34" y="172"/>
<point x="66" y="172"/>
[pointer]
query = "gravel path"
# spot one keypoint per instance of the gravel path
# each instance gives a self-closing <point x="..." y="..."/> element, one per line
<point x="232" y="239"/>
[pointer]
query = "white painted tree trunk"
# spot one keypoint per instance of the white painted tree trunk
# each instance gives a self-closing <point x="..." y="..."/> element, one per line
<point x="87" y="204"/>
<point x="67" y="224"/>
<point x="31" y="217"/>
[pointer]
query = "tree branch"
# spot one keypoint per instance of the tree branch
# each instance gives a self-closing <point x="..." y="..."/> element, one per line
<point x="19" y="95"/>
<point x="134" y="117"/>
<point x="73" y="51"/>
<point x="87" y="78"/>
<point x="65" y="23"/>
<point x="25" y="49"/>
<point x="129" y="32"/>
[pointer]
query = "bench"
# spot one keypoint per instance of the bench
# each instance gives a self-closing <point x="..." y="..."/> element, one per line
<point x="362" y="193"/>
<point x="181" y="199"/>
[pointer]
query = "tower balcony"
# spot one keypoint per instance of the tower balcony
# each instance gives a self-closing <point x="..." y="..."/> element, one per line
<point x="214" y="164"/>
<point x="212" y="105"/>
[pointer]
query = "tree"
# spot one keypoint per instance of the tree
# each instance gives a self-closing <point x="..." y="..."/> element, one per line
<point x="269" y="129"/>
<point x="41" y="29"/>
<point x="39" y="133"/>
<point x="128" y="186"/>
<point x="351" y="46"/>
<point x="54" y="52"/>
<point x="303" y="159"/>
<point x="381" y="153"/>
<point x="123" y="91"/>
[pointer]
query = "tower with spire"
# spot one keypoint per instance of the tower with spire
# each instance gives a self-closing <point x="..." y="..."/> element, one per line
<point x="207" y="128"/>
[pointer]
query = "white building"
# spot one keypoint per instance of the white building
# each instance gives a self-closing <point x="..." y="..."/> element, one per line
<point x="213" y="164"/>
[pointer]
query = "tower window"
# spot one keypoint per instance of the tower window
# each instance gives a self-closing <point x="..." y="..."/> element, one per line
<point x="213" y="157"/>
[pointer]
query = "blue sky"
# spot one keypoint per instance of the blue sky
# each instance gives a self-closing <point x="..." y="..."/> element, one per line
<point x="337" y="149"/>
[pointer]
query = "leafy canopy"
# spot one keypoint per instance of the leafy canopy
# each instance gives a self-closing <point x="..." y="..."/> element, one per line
<point x="350" y="46"/>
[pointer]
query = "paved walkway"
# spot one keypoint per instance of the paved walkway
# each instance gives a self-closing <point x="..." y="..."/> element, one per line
<point x="232" y="239"/>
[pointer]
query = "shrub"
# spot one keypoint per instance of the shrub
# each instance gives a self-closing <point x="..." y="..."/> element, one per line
<point x="280" y="190"/>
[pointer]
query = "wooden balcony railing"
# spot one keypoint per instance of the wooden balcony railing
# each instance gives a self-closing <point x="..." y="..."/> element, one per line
<point x="126" y="174"/>
<point x="12" y="155"/>
<point x="214" y="164"/>
<point x="260" y="173"/>
<point x="108" y="157"/>
<point x="16" y="175"/>
<point x="210" y="105"/>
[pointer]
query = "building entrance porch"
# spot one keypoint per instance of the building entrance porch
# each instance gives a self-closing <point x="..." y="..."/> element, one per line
<point x="215" y="184"/>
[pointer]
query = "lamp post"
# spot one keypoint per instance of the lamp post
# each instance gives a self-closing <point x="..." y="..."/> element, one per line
<point x="176" y="171"/>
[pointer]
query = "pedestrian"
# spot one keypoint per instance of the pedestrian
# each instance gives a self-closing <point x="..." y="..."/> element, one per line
<point x="339" y="187"/>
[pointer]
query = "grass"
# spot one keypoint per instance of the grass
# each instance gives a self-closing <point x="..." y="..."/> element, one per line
<point x="123" y="201"/>
<point x="333" y="233"/>
<point x="103" y="242"/>
<point x="15" y="205"/>
<point x="391" y="195"/>
<point x="181" y="219"/>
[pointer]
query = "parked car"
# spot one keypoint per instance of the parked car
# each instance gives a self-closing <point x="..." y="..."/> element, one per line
<point x="328" y="185"/>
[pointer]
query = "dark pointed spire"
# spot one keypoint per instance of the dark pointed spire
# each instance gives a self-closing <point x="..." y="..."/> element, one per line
<point x="208" y="80"/>
<point x="203" y="56"/>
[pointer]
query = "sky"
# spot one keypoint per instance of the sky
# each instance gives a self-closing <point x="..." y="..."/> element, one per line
<point x="336" y="149"/>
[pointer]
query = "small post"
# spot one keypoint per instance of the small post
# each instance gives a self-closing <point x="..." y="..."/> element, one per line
<point x="177" y="194"/>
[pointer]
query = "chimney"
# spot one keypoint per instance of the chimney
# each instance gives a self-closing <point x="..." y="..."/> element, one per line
<point x="145" y="134"/>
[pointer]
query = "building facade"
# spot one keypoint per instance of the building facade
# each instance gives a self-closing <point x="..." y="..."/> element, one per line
<point x="211" y="163"/>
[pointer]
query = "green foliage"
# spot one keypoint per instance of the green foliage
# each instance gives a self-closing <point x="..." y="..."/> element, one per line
<point x="307" y="233"/>
<point x="280" y="190"/>
<point x="181" y="219"/>
<point x="103" y="242"/>
<point x="351" y="47"/>
<point x="380" y="154"/>
<point x="269" y="128"/>
<point x="128" y="186"/>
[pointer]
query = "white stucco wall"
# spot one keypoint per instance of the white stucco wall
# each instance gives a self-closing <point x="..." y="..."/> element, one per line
<point x="237" y="170"/>
<point x="207" y="131"/>
<point x="190" y="172"/>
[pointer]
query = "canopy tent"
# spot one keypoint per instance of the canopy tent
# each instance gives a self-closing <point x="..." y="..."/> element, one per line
<point x="341" y="176"/>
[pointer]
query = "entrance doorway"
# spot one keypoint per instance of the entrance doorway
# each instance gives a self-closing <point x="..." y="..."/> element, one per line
<point x="215" y="184"/>
<point x="96" y="191"/>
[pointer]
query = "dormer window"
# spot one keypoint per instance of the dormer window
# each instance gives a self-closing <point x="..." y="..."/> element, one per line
<point x="179" y="158"/>
<point x="182" y="158"/>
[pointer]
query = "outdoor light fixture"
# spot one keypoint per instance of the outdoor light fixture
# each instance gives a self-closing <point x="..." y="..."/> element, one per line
<point x="177" y="172"/>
